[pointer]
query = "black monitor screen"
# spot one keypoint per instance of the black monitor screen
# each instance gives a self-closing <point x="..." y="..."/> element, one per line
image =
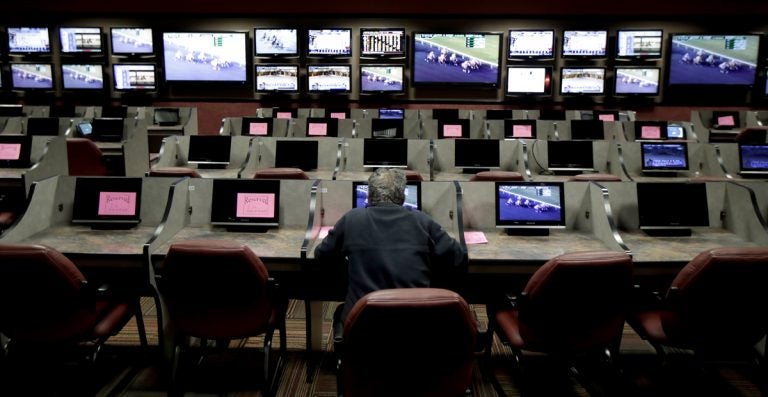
<point x="28" y="40"/>
<point x="551" y="114"/>
<point x="245" y="202"/>
<point x="382" y="42"/>
<point x="15" y="151"/>
<point x="82" y="77"/>
<point x="201" y="57"/>
<point x="296" y="153"/>
<point x="753" y="158"/>
<point x="114" y="111"/>
<point x="329" y="78"/>
<point x="387" y="128"/>
<point x="11" y="110"/>
<point x="476" y="153"/>
<point x="456" y="59"/>
<point x="209" y="149"/>
<point x="451" y="129"/>
<point x="530" y="204"/>
<point x="107" y="201"/>
<point x="520" y="129"/>
<point x="650" y="130"/>
<point x="132" y="41"/>
<point x="531" y="44"/>
<point x="276" y="42"/>
<point x="76" y="40"/>
<point x="584" y="43"/>
<point x="391" y="113"/>
<point x="725" y="119"/>
<point x="385" y="153"/>
<point x="412" y="195"/>
<point x="32" y="76"/>
<point x="713" y="59"/>
<point x="382" y="78"/>
<point x="256" y="126"/>
<point x="529" y="80"/>
<point x="134" y="77"/>
<point x="107" y="129"/>
<point x="166" y="117"/>
<point x="640" y="44"/>
<point x="672" y="205"/>
<point x="498" y="114"/>
<point x="587" y="129"/>
<point x="43" y="126"/>
<point x="447" y="114"/>
<point x="582" y="80"/>
<point x="637" y="81"/>
<point x="277" y="78"/>
<point x="665" y="156"/>
<point x="329" y="42"/>
<point x="570" y="156"/>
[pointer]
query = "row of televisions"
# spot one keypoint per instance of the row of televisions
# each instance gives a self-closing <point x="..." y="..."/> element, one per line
<point x="472" y="59"/>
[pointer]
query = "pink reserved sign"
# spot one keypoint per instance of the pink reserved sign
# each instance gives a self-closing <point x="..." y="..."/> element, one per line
<point x="10" y="151"/>
<point x="726" y="120"/>
<point x="255" y="205"/>
<point x="117" y="203"/>
<point x="452" y="131"/>
<point x="317" y="129"/>
<point x="257" y="129"/>
<point x="606" y="117"/>
<point x="522" y="131"/>
<point x="283" y="115"/>
<point x="650" y="132"/>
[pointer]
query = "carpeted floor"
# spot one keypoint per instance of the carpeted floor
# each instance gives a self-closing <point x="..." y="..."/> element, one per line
<point x="124" y="370"/>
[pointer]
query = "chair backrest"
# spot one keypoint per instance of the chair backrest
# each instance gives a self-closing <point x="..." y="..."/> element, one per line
<point x="720" y="298"/>
<point x="280" y="173"/>
<point x="84" y="158"/>
<point x="576" y="302"/>
<point x="410" y="341"/>
<point x="215" y="289"/>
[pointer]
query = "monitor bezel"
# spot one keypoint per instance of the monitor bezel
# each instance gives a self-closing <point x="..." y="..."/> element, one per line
<point x="85" y="208"/>
<point x="271" y="54"/>
<point x="533" y="224"/>
<point x="409" y="184"/>
<point x="643" y="215"/>
<point x="11" y="51"/>
<point x="140" y="54"/>
<point x="630" y="94"/>
<point x="402" y="54"/>
<point x="644" y="150"/>
<point x="115" y="87"/>
<point x="245" y="81"/>
<point x="576" y="146"/>
<point x="309" y="161"/>
<point x="224" y="213"/>
<point x="64" y="80"/>
<point x="397" y="145"/>
<point x="363" y="68"/>
<point x="442" y="83"/>
<point x="724" y="113"/>
<point x="95" y="52"/>
<point x="309" y="53"/>
<point x="548" y="83"/>
<point x="619" y="56"/>
<point x="200" y="144"/>
<point x="49" y="122"/>
<point x="542" y="57"/>
<point x="593" y="136"/>
<point x="488" y="158"/>
<point x="565" y="55"/>
<point x="754" y="171"/>
<point x="293" y="66"/>
<point x="99" y="136"/>
<point x="346" y="66"/>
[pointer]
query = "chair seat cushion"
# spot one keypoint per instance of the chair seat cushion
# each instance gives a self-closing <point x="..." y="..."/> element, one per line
<point x="280" y="173"/>
<point x="412" y="175"/>
<point x="596" y="177"/>
<point x="174" y="171"/>
<point x="6" y="218"/>
<point x="497" y="176"/>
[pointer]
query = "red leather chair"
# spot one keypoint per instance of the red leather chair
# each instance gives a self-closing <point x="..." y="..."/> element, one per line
<point x="84" y="158"/>
<point x="413" y="175"/>
<point x="280" y="173"/>
<point x="502" y="176"/>
<point x="174" y="172"/>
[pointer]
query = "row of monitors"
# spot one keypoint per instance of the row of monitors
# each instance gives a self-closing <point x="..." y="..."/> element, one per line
<point x="116" y="202"/>
<point x="438" y="58"/>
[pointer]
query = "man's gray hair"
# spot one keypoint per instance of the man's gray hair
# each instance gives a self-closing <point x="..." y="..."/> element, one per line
<point x="386" y="185"/>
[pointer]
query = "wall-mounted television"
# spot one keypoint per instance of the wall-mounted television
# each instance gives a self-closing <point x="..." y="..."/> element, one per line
<point x="529" y="80"/>
<point x="250" y="203"/>
<point x="531" y="44"/>
<point x="470" y="59"/>
<point x="15" y="151"/>
<point x="107" y="203"/>
<point x="382" y="78"/>
<point x="82" y="76"/>
<point x="382" y="42"/>
<point x="392" y="153"/>
<point x="322" y="126"/>
<point x="336" y="42"/>
<point x="476" y="154"/>
<point x="452" y="128"/>
<point x="132" y="41"/>
<point x="256" y="126"/>
<point x="637" y="81"/>
<point x="705" y="59"/>
<point x="412" y="195"/>
<point x="134" y="77"/>
<point x="519" y="129"/>
<point x="283" y="42"/>
<point x="296" y="153"/>
<point x="582" y="80"/>
<point x="530" y="205"/>
<point x="584" y="43"/>
<point x="205" y="57"/>
<point x="80" y="40"/>
<point x="32" y="76"/>
<point x="753" y="159"/>
<point x="664" y="156"/>
<point x="638" y="44"/>
<point x="329" y="78"/>
<point x="570" y="156"/>
<point x="29" y="40"/>
<point x="277" y="78"/>
<point x="670" y="206"/>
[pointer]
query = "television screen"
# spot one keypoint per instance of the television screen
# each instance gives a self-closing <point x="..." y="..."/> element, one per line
<point x="391" y="113"/>
<point x="134" y="77"/>
<point x="699" y="59"/>
<point x="725" y="119"/>
<point x="531" y="44"/>
<point x="166" y="117"/>
<point x="456" y="58"/>
<point x="412" y="195"/>
<point x="530" y="204"/>
<point x="449" y="129"/>
<point x="582" y="80"/>
<point x="385" y="153"/>
<point x="587" y="129"/>
<point x="15" y="151"/>
<point x="285" y="113"/>
<point x="106" y="202"/>
<point x="666" y="156"/>
<point x="672" y="205"/>
<point x="256" y="126"/>
<point x="29" y="40"/>
<point x="209" y="149"/>
<point x="753" y="158"/>
<point x="637" y="81"/>
<point x="584" y="43"/>
<point x="277" y="78"/>
<point x="329" y="78"/>
<point x="639" y="44"/>
<point x="32" y="76"/>
<point x="205" y="57"/>
<point x="82" y="77"/>
<point x="245" y="202"/>
<point x="498" y="114"/>
<point x="104" y="129"/>
<point x="519" y="129"/>
<point x="45" y="126"/>
<point x="296" y="153"/>
<point x="382" y="42"/>
<point x="322" y="126"/>
<point x="132" y="41"/>
<point x="650" y="130"/>
<point x="570" y="156"/>
<point x="476" y="153"/>
<point x="529" y="80"/>
<point x="675" y="131"/>
<point x="382" y="78"/>
<point x="275" y="42"/>
<point x="329" y="42"/>
<point x="77" y="40"/>
<point x="387" y="128"/>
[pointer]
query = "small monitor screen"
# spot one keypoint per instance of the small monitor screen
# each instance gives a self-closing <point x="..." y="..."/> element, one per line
<point x="637" y="81"/>
<point x="412" y="195"/>
<point x="675" y="131"/>
<point x="672" y="205"/>
<point x="725" y="119"/>
<point x="132" y="41"/>
<point x="520" y="129"/>
<point x="75" y="40"/>
<point x="582" y="80"/>
<point x="569" y="156"/>
<point x="120" y="111"/>
<point x="667" y="156"/>
<point x="82" y="77"/>
<point x="470" y="59"/>
<point x="318" y="126"/>
<point x="753" y="158"/>
<point x="551" y="114"/>
<point x="639" y="43"/>
<point x="391" y="113"/>
<point x="134" y="77"/>
<point x="46" y="126"/>
<point x="11" y="110"/>
<point x="296" y="153"/>
<point x="587" y="129"/>
<point x="445" y="114"/>
<point x="277" y="78"/>
<point x="245" y="202"/>
<point x="285" y="113"/>
<point x="32" y="76"/>
<point x="166" y="117"/>
<point x="530" y="204"/>
<point x="15" y="151"/>
<point x="476" y="153"/>
<point x="531" y="44"/>
<point x="529" y="80"/>
<point x="452" y="129"/>
<point x="382" y="42"/>
<point x="385" y="153"/>
<point x="584" y="43"/>
<point x="382" y="78"/>
<point x="387" y="128"/>
<point x="256" y="126"/>
<point x="329" y="78"/>
<point x="498" y="114"/>
<point x="29" y="40"/>
<point x="276" y="42"/>
<point x="105" y="129"/>
<point x="205" y="57"/>
<point x="209" y="149"/>
<point x="329" y="42"/>
<point x="699" y="59"/>
<point x="107" y="201"/>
